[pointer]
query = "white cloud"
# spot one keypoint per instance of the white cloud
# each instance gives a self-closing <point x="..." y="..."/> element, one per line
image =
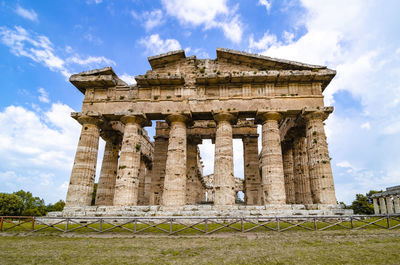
<point x="366" y="125"/>
<point x="130" y="79"/>
<point x="265" y="3"/>
<point x="150" y="19"/>
<point x="360" y="43"/>
<point x="41" y="50"/>
<point x="155" y="45"/>
<point x="93" y="39"/>
<point x="43" y="95"/>
<point x="207" y="13"/>
<point x="28" y="14"/>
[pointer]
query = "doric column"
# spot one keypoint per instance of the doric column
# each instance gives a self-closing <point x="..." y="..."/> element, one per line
<point x="147" y="186"/>
<point x="158" y="170"/>
<point x="273" y="181"/>
<point x="382" y="205"/>
<point x="142" y="177"/>
<point x="389" y="205"/>
<point x="396" y="202"/>
<point x="127" y="183"/>
<point x="174" y="193"/>
<point x="81" y="184"/>
<point x="288" y="170"/>
<point x="252" y="178"/>
<point x="301" y="172"/>
<point x="319" y="164"/>
<point x="109" y="167"/>
<point x="376" y="206"/>
<point x="192" y="180"/>
<point x="224" y="181"/>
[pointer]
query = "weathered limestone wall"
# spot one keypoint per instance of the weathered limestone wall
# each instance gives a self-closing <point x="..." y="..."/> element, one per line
<point x="224" y="181"/>
<point x="174" y="193"/>
<point x="81" y="184"/>
<point x="108" y="173"/>
<point x="252" y="178"/>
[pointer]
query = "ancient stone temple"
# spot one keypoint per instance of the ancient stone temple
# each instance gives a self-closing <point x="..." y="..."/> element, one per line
<point x="193" y="99"/>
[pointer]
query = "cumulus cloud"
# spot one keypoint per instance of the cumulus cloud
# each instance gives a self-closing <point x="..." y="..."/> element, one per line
<point x="40" y="49"/>
<point x="207" y="13"/>
<point x="28" y="14"/>
<point x="155" y="45"/>
<point x="267" y="4"/>
<point x="348" y="36"/>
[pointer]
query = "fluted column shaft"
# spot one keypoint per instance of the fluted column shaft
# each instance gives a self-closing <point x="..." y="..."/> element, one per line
<point x="224" y="181"/>
<point x="192" y="180"/>
<point x="142" y="177"/>
<point x="108" y="174"/>
<point x="158" y="170"/>
<point x="273" y="181"/>
<point x="389" y="205"/>
<point x="376" y="206"/>
<point x="127" y="183"/>
<point x="319" y="164"/>
<point x="174" y="193"/>
<point x="382" y="205"/>
<point x="288" y="171"/>
<point x="396" y="202"/>
<point x="301" y="173"/>
<point x="252" y="178"/>
<point x="81" y="184"/>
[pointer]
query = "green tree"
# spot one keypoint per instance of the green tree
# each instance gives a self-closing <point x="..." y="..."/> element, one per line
<point x="32" y="206"/>
<point x="363" y="203"/>
<point x="57" y="207"/>
<point x="10" y="204"/>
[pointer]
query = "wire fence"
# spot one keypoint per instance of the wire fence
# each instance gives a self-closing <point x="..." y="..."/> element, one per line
<point x="201" y="225"/>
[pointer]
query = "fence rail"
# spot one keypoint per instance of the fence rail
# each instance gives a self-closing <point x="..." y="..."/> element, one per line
<point x="206" y="225"/>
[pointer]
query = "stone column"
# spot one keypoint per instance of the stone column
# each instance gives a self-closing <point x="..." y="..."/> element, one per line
<point x="158" y="171"/>
<point x="108" y="173"/>
<point x="301" y="172"/>
<point x="273" y="181"/>
<point x="389" y="205"/>
<point x="319" y="164"/>
<point x="147" y="186"/>
<point x="224" y="181"/>
<point x="376" y="206"/>
<point x="174" y="193"/>
<point x="127" y="183"/>
<point x="382" y="205"/>
<point x="142" y="176"/>
<point x="396" y="204"/>
<point x="81" y="184"/>
<point x="288" y="170"/>
<point x="252" y="178"/>
<point x="192" y="180"/>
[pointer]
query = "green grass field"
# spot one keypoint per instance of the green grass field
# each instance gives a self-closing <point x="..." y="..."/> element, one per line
<point x="369" y="246"/>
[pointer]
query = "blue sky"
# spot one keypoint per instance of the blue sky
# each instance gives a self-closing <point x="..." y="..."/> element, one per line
<point x="43" y="42"/>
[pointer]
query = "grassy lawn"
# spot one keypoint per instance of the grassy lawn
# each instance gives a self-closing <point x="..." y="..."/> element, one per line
<point x="370" y="246"/>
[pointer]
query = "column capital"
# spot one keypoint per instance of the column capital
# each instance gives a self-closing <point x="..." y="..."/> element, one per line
<point x="263" y="116"/>
<point x="224" y="116"/>
<point x="138" y="119"/>
<point x="111" y="136"/>
<point x="317" y="113"/>
<point x="93" y="118"/>
<point x="177" y="118"/>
